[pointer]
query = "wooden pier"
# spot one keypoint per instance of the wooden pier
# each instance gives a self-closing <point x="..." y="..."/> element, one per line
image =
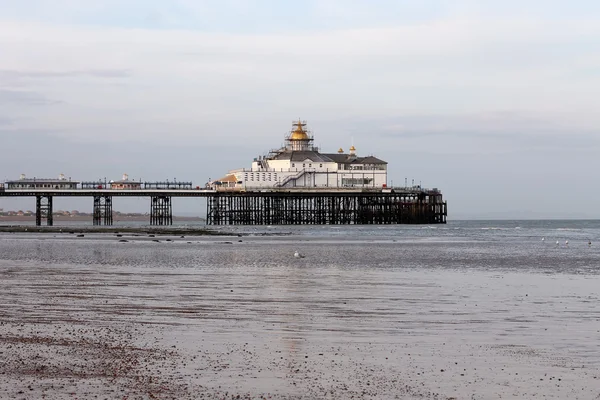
<point x="272" y="207"/>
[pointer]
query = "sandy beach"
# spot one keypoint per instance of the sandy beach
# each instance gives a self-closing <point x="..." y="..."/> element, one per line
<point x="206" y="319"/>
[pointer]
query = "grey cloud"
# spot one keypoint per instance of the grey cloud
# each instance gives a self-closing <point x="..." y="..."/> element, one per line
<point x="25" y="98"/>
<point x="518" y="132"/>
<point x="98" y="73"/>
<point x="6" y="121"/>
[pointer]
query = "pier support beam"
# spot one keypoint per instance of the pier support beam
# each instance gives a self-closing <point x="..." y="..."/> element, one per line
<point x="43" y="210"/>
<point x="103" y="210"/>
<point x="161" y="210"/>
<point x="328" y="208"/>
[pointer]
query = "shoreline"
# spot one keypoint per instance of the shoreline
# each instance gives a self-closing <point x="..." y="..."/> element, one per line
<point x="86" y="218"/>
<point x="115" y="229"/>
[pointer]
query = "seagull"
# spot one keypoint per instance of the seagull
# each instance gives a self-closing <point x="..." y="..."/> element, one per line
<point x="298" y="255"/>
<point x="543" y="239"/>
<point x="589" y="242"/>
<point x="557" y="242"/>
<point x="566" y="242"/>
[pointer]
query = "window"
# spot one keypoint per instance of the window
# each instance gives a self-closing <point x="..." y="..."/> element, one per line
<point x="320" y="165"/>
<point x="303" y="165"/>
<point x="293" y="165"/>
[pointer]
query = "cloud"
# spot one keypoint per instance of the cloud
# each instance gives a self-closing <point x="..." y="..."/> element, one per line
<point x="454" y="74"/>
<point x="41" y="74"/>
<point x="5" y="121"/>
<point x="28" y="98"/>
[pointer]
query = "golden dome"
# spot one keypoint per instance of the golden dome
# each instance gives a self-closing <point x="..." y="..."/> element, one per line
<point x="352" y="148"/>
<point x="299" y="133"/>
<point x="340" y="150"/>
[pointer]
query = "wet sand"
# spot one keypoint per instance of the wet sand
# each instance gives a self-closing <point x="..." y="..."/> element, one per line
<point x="212" y="320"/>
<point x="139" y="231"/>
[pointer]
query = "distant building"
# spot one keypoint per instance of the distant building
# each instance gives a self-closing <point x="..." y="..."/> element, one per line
<point x="42" y="183"/>
<point x="125" y="184"/>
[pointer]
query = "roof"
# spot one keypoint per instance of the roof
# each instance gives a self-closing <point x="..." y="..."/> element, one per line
<point x="124" y="182"/>
<point x="42" y="180"/>
<point x="371" y="160"/>
<point x="350" y="159"/>
<point x="299" y="156"/>
<point x="228" y="178"/>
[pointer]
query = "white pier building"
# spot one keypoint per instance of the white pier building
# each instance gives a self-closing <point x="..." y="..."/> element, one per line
<point x="299" y="164"/>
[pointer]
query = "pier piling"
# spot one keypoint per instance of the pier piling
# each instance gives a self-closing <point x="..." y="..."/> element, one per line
<point x="325" y="208"/>
<point x="102" y="214"/>
<point x="161" y="210"/>
<point x="43" y="210"/>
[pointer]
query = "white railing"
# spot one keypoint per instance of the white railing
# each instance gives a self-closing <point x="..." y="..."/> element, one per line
<point x="290" y="178"/>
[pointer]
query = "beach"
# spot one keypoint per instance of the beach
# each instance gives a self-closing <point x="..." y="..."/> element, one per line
<point x="399" y="312"/>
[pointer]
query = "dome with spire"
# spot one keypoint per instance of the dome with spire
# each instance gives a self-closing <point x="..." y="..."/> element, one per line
<point x="299" y="138"/>
<point x="299" y="133"/>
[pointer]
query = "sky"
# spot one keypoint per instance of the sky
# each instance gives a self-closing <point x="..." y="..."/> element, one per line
<point x="493" y="102"/>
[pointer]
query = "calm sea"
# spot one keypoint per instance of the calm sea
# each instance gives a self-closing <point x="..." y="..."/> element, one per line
<point x="519" y="245"/>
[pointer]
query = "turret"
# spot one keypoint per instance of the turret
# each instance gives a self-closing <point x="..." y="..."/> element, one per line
<point x="298" y="138"/>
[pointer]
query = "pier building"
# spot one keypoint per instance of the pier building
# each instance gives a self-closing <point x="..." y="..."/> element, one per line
<point x="125" y="184"/>
<point x="42" y="183"/>
<point x="299" y="164"/>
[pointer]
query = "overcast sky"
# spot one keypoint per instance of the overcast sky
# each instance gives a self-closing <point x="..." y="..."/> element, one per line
<point x="494" y="102"/>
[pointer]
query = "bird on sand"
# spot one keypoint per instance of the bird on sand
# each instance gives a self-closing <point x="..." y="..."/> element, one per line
<point x="543" y="239"/>
<point x="298" y="255"/>
<point x="566" y="242"/>
<point x="557" y="243"/>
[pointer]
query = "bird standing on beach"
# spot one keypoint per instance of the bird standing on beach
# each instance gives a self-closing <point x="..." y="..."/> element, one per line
<point x="557" y="243"/>
<point x="566" y="242"/>
<point x="298" y="255"/>
<point x="543" y="239"/>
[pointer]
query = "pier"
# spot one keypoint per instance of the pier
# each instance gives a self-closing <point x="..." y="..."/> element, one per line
<point x="333" y="208"/>
<point x="296" y="184"/>
<point x="265" y="207"/>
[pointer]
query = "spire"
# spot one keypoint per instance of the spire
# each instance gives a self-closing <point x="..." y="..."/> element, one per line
<point x="299" y="138"/>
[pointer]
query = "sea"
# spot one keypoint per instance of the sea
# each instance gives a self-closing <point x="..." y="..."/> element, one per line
<point x="469" y="309"/>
